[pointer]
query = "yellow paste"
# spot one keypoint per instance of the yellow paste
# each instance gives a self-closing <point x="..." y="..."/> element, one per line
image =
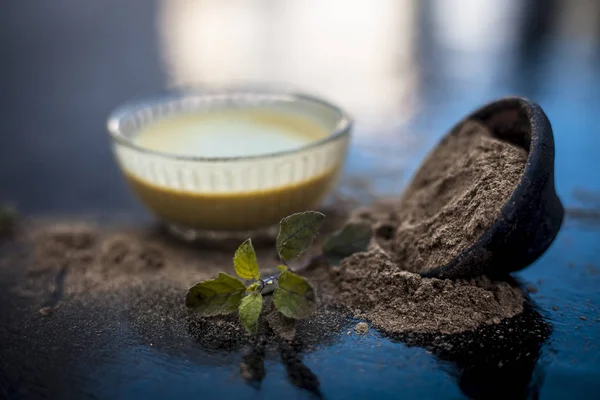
<point x="231" y="133"/>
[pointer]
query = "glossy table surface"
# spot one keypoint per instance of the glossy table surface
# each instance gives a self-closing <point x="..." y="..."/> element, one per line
<point x="65" y="67"/>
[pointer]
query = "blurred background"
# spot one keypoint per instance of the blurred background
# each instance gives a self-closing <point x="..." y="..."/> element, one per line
<point x="407" y="70"/>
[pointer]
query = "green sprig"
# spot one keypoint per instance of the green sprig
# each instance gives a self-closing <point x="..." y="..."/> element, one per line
<point x="293" y="296"/>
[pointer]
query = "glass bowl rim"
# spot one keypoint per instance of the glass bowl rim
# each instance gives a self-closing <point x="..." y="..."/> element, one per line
<point x="342" y="126"/>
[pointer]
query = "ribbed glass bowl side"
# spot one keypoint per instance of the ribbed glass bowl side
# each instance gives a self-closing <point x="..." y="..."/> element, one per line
<point x="230" y="194"/>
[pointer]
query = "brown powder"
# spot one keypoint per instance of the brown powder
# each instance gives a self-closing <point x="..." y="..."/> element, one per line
<point x="105" y="262"/>
<point x="455" y="196"/>
<point x="397" y="301"/>
<point x="109" y="259"/>
<point x="147" y="272"/>
<point x="117" y="256"/>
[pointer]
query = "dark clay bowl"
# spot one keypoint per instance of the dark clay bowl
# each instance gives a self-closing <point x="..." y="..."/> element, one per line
<point x="532" y="216"/>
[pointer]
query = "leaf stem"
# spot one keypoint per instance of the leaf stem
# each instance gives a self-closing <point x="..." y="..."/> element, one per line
<point x="284" y="262"/>
<point x="269" y="285"/>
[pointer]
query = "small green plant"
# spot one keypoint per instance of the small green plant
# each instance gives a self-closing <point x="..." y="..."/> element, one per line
<point x="293" y="296"/>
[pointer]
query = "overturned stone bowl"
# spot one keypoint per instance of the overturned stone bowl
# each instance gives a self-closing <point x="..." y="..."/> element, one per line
<point x="531" y="217"/>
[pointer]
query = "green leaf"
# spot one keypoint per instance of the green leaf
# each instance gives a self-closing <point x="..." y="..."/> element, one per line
<point x="295" y="296"/>
<point x="218" y="296"/>
<point x="282" y="268"/>
<point x="254" y="287"/>
<point x="352" y="238"/>
<point x="250" y="311"/>
<point x="244" y="261"/>
<point x="296" y="232"/>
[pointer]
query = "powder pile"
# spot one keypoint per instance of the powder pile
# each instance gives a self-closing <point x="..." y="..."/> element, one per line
<point x="456" y="195"/>
<point x="397" y="301"/>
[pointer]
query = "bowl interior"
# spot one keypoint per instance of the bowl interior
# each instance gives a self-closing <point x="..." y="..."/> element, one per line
<point x="127" y="121"/>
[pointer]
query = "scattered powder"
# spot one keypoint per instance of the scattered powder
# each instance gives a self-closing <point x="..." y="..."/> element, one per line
<point x="148" y="272"/>
<point x="46" y="311"/>
<point x="84" y="258"/>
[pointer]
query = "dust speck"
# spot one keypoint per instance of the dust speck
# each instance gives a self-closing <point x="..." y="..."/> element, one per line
<point x="361" y="328"/>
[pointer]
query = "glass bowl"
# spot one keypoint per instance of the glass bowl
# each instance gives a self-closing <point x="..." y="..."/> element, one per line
<point x="229" y="194"/>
